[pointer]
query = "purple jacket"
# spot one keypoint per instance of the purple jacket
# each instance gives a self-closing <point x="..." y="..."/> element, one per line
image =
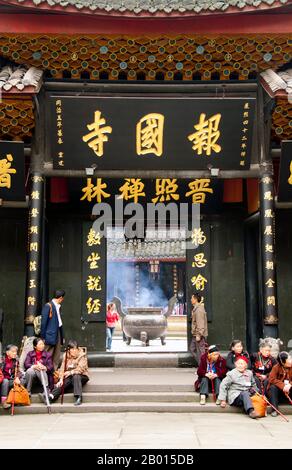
<point x="46" y="360"/>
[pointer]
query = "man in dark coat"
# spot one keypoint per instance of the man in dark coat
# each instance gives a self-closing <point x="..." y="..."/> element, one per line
<point x="52" y="326"/>
<point x="199" y="328"/>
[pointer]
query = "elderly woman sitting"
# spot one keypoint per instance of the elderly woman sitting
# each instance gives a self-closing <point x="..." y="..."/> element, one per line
<point x="38" y="365"/>
<point x="262" y="363"/>
<point x="238" y="386"/>
<point x="73" y="373"/>
<point x="10" y="372"/>
<point x="211" y="371"/>
<point x="280" y="381"/>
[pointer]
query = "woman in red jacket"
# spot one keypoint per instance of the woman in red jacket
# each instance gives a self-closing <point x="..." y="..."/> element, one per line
<point x="280" y="381"/>
<point x="11" y="373"/>
<point x="211" y="371"/>
<point x="112" y="317"/>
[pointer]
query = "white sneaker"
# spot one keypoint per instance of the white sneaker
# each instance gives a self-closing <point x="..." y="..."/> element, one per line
<point x="203" y="400"/>
<point x="218" y="402"/>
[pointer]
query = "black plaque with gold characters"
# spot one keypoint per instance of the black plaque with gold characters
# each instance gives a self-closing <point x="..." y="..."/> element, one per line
<point x="198" y="265"/>
<point x="285" y="179"/>
<point x="12" y="178"/>
<point x="34" y="247"/>
<point x="150" y="133"/>
<point x="270" y="308"/>
<point x="205" y="191"/>
<point x="93" y="275"/>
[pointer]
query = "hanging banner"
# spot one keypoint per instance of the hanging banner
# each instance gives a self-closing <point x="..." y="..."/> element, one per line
<point x="93" y="275"/>
<point x="285" y="177"/>
<point x="12" y="182"/>
<point x="147" y="133"/>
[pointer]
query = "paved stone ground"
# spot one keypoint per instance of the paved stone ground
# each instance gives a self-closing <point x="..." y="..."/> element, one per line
<point x="173" y="344"/>
<point x="143" y="430"/>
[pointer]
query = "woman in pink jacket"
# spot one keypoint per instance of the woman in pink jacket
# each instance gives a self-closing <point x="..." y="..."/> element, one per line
<point x="112" y="317"/>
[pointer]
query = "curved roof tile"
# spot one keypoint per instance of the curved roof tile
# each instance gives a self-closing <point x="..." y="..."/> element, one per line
<point x="154" y="6"/>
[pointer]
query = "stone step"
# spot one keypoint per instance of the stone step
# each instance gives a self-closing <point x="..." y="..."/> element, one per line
<point x="122" y="397"/>
<point x="91" y="387"/>
<point x="141" y="380"/>
<point x="142" y="407"/>
<point x="141" y="359"/>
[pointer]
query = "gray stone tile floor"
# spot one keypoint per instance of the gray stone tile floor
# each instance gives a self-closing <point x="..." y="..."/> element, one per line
<point x="143" y="430"/>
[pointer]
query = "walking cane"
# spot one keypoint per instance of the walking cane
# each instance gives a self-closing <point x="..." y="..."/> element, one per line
<point x="270" y="404"/>
<point x="262" y="387"/>
<point x="45" y="391"/>
<point x="288" y="397"/>
<point x="63" y="384"/>
<point x="213" y="390"/>
<point x="13" y="399"/>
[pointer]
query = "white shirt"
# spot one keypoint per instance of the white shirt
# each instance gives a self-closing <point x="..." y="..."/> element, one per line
<point x="58" y="306"/>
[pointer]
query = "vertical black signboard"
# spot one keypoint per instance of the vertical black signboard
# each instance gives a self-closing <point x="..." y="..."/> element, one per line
<point x="270" y="307"/>
<point x="198" y="266"/>
<point x="34" y="248"/>
<point x="93" y="275"/>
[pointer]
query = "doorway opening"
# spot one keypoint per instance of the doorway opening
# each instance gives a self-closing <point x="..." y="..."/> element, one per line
<point x="147" y="275"/>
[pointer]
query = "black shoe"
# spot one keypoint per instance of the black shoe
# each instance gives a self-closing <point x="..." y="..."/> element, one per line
<point x="78" y="401"/>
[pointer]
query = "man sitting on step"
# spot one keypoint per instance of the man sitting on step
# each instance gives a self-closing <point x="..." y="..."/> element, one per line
<point x="72" y="373"/>
<point x="211" y="371"/>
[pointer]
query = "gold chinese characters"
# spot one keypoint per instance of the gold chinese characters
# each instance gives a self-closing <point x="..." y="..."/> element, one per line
<point x="133" y="189"/>
<point x="290" y="177"/>
<point x="92" y="192"/>
<point x="93" y="279"/>
<point x="206" y="135"/>
<point x="200" y="261"/>
<point x="149" y="134"/>
<point x="98" y="134"/>
<point x="6" y="171"/>
<point x="59" y="131"/>
<point x="198" y="190"/>
<point x="166" y="190"/>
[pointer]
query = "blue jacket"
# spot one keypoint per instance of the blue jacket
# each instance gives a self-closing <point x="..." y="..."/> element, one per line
<point x="50" y="326"/>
